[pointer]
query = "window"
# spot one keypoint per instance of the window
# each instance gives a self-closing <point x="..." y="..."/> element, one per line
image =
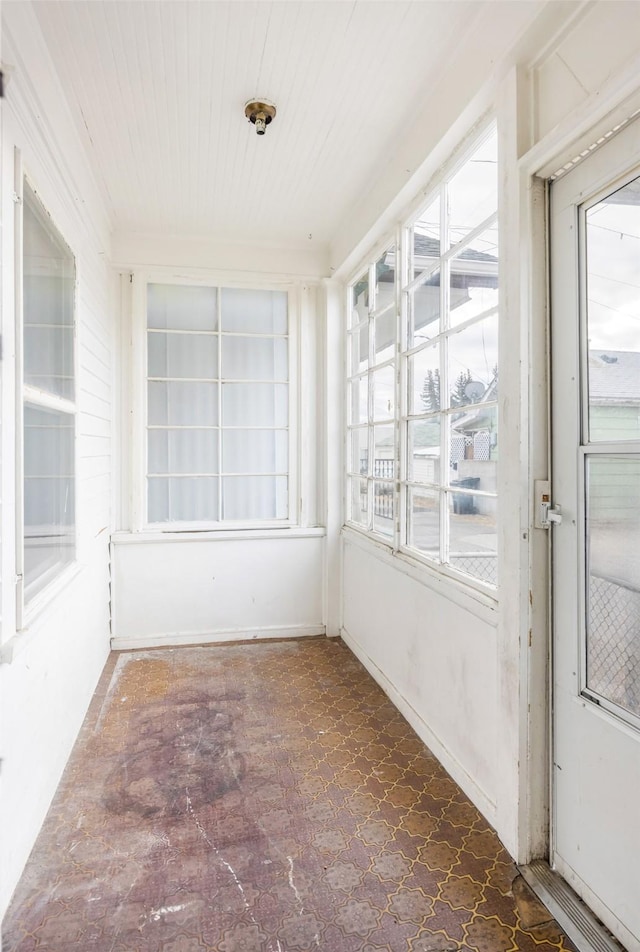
<point x="372" y="348"/>
<point x="217" y="405"/>
<point x="48" y="408"/>
<point x="445" y="497"/>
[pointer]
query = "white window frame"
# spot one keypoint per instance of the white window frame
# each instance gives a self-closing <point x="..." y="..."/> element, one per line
<point x="50" y="582"/>
<point x="374" y="312"/>
<point x="138" y="437"/>
<point x="405" y="282"/>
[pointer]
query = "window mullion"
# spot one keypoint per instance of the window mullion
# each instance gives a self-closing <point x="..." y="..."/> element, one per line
<point x="220" y="417"/>
<point x="445" y="442"/>
<point x="19" y="385"/>
<point x="370" y="403"/>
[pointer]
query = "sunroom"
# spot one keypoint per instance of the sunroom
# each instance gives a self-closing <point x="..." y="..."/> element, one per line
<point x="370" y="375"/>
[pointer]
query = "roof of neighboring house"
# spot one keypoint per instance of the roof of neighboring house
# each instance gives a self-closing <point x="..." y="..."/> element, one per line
<point x="614" y="376"/>
<point x="428" y="247"/>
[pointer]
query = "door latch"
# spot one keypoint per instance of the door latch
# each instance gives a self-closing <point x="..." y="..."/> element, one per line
<point x="545" y="514"/>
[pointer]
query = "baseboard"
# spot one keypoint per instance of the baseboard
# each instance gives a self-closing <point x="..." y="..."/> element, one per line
<point x="453" y="767"/>
<point x="195" y="638"/>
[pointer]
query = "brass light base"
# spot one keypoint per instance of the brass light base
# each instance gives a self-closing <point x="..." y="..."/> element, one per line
<point x="260" y="113"/>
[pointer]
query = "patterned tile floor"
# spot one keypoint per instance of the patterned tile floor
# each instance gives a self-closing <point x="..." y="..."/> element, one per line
<point x="263" y="798"/>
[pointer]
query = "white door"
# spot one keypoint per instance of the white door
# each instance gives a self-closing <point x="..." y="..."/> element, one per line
<point x="595" y="341"/>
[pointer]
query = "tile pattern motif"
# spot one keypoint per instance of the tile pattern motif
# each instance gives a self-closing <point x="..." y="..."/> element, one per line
<point x="263" y="798"/>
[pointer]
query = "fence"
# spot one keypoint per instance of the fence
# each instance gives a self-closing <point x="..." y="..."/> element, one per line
<point x="613" y="646"/>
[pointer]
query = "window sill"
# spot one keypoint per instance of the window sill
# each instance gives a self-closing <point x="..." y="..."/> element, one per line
<point x="21" y="640"/>
<point x="480" y="602"/>
<point x="215" y="535"/>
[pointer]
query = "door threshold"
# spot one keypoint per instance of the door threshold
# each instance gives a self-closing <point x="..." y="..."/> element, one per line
<point x="581" y="925"/>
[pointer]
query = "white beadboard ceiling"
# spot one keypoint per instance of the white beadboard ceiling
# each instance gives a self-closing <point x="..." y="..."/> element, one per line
<point x="157" y="90"/>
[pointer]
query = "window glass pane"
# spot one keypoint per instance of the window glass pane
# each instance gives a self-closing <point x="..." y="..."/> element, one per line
<point x="613" y="331"/>
<point x="48" y="359"/>
<point x="49" y="495"/>
<point x="183" y="451"/>
<point x="359" y="462"/>
<point x="425" y="238"/>
<point x="255" y="497"/>
<point x="613" y="582"/>
<point x="183" y="499"/>
<point x="423" y="449"/>
<point x="358" y="501"/>
<point x="473" y="363"/>
<point x="255" y="404"/>
<point x="254" y="312"/>
<point x="359" y="405"/>
<point x="423" y="529"/>
<point x="473" y="191"/>
<point x="424" y="311"/>
<point x="384" y="463"/>
<point x="48" y="287"/>
<point x="254" y="358"/>
<point x="182" y="307"/>
<point x="386" y="333"/>
<point x="359" y="300"/>
<point x="255" y="451"/>
<point x="359" y="347"/>
<point x="383" y="508"/>
<point x="474" y="278"/>
<point x="182" y="403"/>
<point x="385" y="276"/>
<point x="474" y="449"/>
<point x="182" y="355"/>
<point x="384" y="393"/>
<point x="473" y="535"/>
<point x="424" y="380"/>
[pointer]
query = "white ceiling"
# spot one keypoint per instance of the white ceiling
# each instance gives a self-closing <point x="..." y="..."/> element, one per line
<point x="157" y="90"/>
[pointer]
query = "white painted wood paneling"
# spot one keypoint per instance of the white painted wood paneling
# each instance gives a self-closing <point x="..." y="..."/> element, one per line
<point x="603" y="39"/>
<point x="216" y="589"/>
<point x="51" y="667"/>
<point x="435" y="658"/>
<point x="158" y="91"/>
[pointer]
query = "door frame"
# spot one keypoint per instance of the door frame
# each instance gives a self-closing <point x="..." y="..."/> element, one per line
<point x="618" y="105"/>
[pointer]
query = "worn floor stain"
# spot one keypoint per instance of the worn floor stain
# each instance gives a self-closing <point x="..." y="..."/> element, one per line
<point x="263" y="797"/>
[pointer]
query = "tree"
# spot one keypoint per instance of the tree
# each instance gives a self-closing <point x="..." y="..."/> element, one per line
<point x="459" y="396"/>
<point x="430" y="394"/>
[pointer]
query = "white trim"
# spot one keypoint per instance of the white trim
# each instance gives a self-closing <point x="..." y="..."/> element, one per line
<point x="617" y="99"/>
<point x="451" y="764"/>
<point x="41" y="603"/>
<point x="18" y="323"/>
<point x="216" y="535"/>
<point x="235" y="635"/>
<point x="220" y="278"/>
<point x="48" y="401"/>
<point x="480" y="604"/>
<point x="137" y="449"/>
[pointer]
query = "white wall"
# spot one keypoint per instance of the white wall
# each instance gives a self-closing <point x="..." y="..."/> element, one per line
<point x="469" y="672"/>
<point x="217" y="587"/>
<point x="50" y="668"/>
<point x="434" y="654"/>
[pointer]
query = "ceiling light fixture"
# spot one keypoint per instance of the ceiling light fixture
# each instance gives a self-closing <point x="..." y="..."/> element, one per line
<point x="260" y="112"/>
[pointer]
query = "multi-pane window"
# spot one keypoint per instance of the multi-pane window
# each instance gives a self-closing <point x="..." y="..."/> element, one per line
<point x="372" y="348"/>
<point x="217" y="405"/>
<point x="446" y="405"/>
<point x="48" y="384"/>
